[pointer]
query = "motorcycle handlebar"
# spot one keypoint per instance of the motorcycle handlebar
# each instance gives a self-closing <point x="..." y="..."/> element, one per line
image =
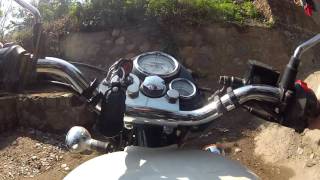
<point x="64" y="70"/>
<point x="305" y="46"/>
<point x="207" y="113"/>
<point x="147" y="115"/>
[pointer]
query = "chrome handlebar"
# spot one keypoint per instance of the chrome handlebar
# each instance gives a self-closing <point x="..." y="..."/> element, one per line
<point x="305" y="46"/>
<point x="147" y="115"/>
<point x="207" y="113"/>
<point x="63" y="70"/>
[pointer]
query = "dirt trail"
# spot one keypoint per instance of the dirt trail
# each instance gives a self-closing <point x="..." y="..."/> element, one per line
<point x="32" y="154"/>
<point x="282" y="146"/>
<point x="271" y="151"/>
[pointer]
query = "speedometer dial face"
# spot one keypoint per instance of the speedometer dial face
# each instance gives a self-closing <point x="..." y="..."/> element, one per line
<point x="157" y="63"/>
<point x="185" y="87"/>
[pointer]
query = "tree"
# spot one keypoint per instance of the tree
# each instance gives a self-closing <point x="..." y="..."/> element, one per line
<point x="5" y="25"/>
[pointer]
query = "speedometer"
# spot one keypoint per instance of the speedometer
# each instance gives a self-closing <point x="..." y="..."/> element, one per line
<point x="156" y="63"/>
<point x="185" y="87"/>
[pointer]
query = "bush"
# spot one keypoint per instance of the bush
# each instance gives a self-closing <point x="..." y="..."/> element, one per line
<point x="199" y="11"/>
<point x="97" y="14"/>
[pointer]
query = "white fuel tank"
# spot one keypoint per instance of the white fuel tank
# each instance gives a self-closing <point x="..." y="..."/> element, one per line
<point x="138" y="163"/>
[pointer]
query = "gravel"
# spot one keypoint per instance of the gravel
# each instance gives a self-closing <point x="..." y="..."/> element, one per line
<point x="30" y="154"/>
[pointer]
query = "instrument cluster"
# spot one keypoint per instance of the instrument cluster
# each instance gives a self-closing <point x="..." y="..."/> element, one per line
<point x="161" y="82"/>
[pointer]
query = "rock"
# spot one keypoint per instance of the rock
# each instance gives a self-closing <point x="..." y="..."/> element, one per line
<point x="237" y="61"/>
<point x="63" y="165"/>
<point x="187" y="51"/>
<point x="300" y="151"/>
<point x="14" y="143"/>
<point x="34" y="157"/>
<point x="144" y="47"/>
<point x="52" y="112"/>
<point x="311" y="156"/>
<point x="189" y="61"/>
<point x="130" y="55"/>
<point x="310" y="163"/>
<point x="225" y="130"/>
<point x="10" y="174"/>
<point x="130" y="47"/>
<point x="115" y="32"/>
<point x="273" y="150"/>
<point x="237" y="150"/>
<point x="116" y="50"/>
<point x="120" y="41"/>
<point x="108" y="42"/>
<point x="45" y="163"/>
<point x="312" y="137"/>
<point x="67" y="169"/>
<point x="38" y="145"/>
<point x="32" y="131"/>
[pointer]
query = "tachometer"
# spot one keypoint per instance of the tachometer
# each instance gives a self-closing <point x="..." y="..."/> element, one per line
<point x="156" y="63"/>
<point x="185" y="87"/>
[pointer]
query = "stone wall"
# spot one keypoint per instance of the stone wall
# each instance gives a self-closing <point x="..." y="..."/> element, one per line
<point x="54" y="112"/>
<point x="8" y="113"/>
<point x="211" y="50"/>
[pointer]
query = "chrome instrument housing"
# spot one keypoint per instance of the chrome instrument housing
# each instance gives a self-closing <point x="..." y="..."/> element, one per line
<point x="191" y="84"/>
<point x="145" y="73"/>
<point x="153" y="86"/>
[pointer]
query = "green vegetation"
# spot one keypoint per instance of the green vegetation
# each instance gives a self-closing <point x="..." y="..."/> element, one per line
<point x="96" y="14"/>
<point x="200" y="11"/>
<point x="167" y="11"/>
<point x="61" y="16"/>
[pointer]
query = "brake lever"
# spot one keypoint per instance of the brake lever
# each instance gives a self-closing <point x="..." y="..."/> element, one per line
<point x="271" y="117"/>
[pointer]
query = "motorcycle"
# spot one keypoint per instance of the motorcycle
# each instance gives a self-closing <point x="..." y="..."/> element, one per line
<point x="147" y="106"/>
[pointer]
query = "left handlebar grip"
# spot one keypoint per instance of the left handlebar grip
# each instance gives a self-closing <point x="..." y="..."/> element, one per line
<point x="17" y="68"/>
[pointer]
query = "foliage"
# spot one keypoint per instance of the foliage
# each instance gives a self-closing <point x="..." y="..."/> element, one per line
<point x="94" y="15"/>
<point x="198" y="11"/>
<point x="23" y="37"/>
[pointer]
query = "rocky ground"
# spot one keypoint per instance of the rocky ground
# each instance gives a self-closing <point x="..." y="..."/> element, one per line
<point x="32" y="154"/>
<point x="271" y="151"/>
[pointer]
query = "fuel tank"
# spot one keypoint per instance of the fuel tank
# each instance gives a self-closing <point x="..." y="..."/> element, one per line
<point x="169" y="163"/>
